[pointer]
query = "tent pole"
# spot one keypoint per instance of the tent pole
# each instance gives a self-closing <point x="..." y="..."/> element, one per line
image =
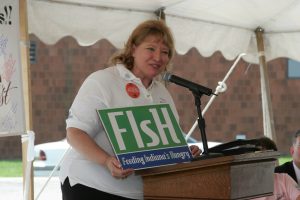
<point x="268" y="120"/>
<point x="160" y="13"/>
<point x="24" y="46"/>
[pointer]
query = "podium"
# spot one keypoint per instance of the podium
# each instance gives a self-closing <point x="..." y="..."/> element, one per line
<point x="243" y="176"/>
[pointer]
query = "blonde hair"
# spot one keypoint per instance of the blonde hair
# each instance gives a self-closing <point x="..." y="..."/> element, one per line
<point x="150" y="27"/>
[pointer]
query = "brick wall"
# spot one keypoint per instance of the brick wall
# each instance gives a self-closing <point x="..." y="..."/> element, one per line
<point x="60" y="69"/>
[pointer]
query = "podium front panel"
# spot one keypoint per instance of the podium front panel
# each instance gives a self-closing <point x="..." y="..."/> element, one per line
<point x="226" y="177"/>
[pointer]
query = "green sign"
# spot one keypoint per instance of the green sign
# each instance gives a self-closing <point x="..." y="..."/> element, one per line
<point x="145" y="133"/>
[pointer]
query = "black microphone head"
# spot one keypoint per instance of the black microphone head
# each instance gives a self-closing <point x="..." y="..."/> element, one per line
<point x="167" y="76"/>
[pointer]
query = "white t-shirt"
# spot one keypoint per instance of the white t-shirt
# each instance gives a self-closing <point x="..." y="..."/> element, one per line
<point x="107" y="89"/>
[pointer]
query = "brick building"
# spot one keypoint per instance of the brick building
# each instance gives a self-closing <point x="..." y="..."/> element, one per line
<point x="59" y="70"/>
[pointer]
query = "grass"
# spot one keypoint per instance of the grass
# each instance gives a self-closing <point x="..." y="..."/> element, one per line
<point x="284" y="159"/>
<point x="11" y="168"/>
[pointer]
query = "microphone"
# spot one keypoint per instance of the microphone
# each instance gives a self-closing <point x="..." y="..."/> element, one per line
<point x="194" y="87"/>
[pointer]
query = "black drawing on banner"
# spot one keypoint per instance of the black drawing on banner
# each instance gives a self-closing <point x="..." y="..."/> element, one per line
<point x="4" y="93"/>
<point x="6" y="86"/>
<point x="5" y="18"/>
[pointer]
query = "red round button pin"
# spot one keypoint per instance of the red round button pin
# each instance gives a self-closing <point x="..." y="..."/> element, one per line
<point x="132" y="90"/>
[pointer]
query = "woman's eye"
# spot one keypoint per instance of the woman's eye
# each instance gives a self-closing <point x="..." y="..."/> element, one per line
<point x="151" y="48"/>
<point x="165" y="52"/>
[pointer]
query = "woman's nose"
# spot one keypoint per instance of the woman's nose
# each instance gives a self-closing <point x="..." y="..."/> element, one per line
<point x="157" y="55"/>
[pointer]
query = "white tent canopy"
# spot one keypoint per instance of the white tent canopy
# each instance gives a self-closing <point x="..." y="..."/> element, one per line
<point x="227" y="26"/>
<point x="215" y="25"/>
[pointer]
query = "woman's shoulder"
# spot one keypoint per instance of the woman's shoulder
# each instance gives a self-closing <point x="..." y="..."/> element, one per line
<point x="104" y="74"/>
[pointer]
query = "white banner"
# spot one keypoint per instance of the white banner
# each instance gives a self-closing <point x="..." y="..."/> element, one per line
<point x="12" y="117"/>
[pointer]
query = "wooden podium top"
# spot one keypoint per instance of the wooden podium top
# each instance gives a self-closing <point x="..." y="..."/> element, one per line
<point x="208" y="161"/>
<point x="243" y="176"/>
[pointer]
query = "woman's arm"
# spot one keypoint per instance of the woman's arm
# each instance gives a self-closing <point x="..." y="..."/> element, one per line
<point x="85" y="145"/>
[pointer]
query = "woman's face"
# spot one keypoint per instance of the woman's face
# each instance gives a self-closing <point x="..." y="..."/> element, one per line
<point x="150" y="58"/>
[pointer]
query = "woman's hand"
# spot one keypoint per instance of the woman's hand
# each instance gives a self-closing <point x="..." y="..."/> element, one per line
<point x="114" y="166"/>
<point x="85" y="145"/>
<point x="196" y="151"/>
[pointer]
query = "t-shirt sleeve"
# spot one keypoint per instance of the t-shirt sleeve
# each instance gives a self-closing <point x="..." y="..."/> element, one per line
<point x="83" y="112"/>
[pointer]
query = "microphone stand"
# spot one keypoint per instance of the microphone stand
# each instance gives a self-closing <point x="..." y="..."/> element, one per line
<point x="201" y="122"/>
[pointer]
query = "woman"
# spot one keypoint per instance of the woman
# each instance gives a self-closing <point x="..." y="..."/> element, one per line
<point x="91" y="170"/>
